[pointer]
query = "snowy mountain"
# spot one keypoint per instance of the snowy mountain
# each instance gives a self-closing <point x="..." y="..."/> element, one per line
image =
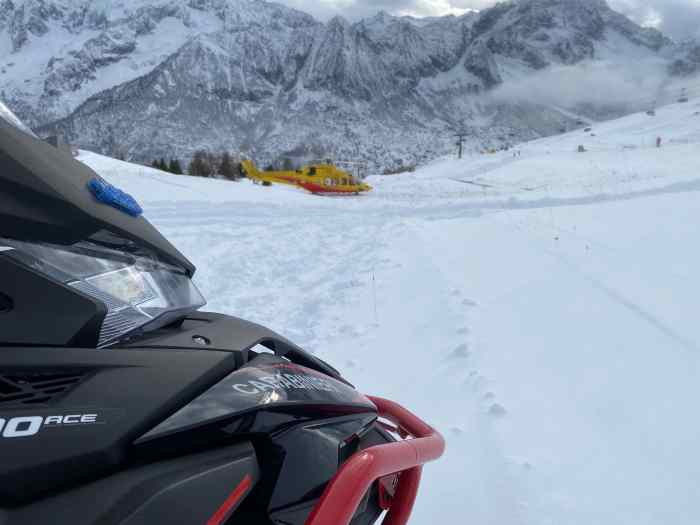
<point x="540" y="310"/>
<point x="687" y="62"/>
<point x="147" y="78"/>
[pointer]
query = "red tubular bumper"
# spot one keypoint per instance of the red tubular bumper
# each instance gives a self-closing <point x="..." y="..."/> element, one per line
<point x="346" y="490"/>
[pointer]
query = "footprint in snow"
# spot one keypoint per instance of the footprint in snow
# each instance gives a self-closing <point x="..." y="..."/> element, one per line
<point x="476" y="382"/>
<point x="456" y="431"/>
<point x="463" y="331"/>
<point x="461" y="352"/>
<point x="497" y="410"/>
<point x="348" y="330"/>
<point x="469" y="303"/>
<point x="489" y="396"/>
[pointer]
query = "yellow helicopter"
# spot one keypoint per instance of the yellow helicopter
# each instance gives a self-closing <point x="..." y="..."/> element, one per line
<point x="320" y="178"/>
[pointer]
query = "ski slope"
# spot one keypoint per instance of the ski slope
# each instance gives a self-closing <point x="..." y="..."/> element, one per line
<point x="540" y="310"/>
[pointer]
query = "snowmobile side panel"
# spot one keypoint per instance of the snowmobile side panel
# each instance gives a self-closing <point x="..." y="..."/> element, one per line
<point x="130" y="391"/>
<point x="191" y="489"/>
<point x="299" y="453"/>
<point x="267" y="382"/>
<point x="56" y="435"/>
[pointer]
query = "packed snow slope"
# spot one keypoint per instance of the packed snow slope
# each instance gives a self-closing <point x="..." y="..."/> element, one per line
<point x="540" y="310"/>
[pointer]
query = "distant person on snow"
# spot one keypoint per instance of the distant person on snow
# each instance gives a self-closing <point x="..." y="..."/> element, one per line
<point x="658" y="142"/>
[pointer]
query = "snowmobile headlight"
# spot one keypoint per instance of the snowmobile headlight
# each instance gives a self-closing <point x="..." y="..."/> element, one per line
<point x="128" y="285"/>
<point x="139" y="291"/>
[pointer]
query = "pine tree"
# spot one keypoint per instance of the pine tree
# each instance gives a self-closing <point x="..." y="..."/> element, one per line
<point x="228" y="168"/>
<point x="201" y="165"/>
<point x="163" y="166"/>
<point x="194" y="169"/>
<point x="175" y="167"/>
<point x="155" y="164"/>
<point x="208" y="165"/>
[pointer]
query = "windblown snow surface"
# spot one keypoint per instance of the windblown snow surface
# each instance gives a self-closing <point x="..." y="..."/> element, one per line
<point x="541" y="310"/>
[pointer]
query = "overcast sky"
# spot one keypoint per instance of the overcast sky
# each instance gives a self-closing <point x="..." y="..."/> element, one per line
<point x="677" y="18"/>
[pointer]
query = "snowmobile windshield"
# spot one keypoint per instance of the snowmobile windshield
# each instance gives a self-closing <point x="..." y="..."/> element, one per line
<point x="7" y="117"/>
<point x="139" y="291"/>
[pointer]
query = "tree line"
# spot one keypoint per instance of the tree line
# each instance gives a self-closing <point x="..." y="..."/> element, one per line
<point x="171" y="167"/>
<point x="204" y="164"/>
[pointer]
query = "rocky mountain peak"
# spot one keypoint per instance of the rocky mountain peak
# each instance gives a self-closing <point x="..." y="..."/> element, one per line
<point x="146" y="76"/>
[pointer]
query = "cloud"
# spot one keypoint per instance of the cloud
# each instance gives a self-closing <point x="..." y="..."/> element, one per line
<point x="677" y="18"/>
<point x="602" y="83"/>
<point x="356" y="9"/>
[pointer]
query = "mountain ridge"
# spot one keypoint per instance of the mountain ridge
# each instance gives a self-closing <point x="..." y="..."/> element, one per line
<point x="146" y="78"/>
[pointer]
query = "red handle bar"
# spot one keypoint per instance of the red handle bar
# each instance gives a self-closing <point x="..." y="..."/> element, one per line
<point x="345" y="491"/>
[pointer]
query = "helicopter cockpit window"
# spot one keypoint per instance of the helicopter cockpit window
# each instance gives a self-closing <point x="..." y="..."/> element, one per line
<point x="312" y="171"/>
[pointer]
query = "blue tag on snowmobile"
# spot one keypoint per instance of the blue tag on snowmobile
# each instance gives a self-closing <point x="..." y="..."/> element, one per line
<point x="113" y="196"/>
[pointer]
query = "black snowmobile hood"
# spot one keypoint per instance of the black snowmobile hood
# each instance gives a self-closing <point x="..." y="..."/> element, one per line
<point x="44" y="197"/>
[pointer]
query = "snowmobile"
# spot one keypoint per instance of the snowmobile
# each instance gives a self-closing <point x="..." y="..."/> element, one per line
<point x="121" y="403"/>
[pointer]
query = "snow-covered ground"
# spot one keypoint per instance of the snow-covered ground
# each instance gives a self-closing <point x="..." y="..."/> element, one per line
<point x="540" y="310"/>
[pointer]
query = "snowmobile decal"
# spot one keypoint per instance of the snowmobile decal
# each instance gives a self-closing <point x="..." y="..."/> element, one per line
<point x="284" y="382"/>
<point x="267" y="381"/>
<point x="27" y="426"/>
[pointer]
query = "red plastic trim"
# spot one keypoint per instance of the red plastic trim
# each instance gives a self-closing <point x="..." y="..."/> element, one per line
<point x="224" y="512"/>
<point x="346" y="490"/>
